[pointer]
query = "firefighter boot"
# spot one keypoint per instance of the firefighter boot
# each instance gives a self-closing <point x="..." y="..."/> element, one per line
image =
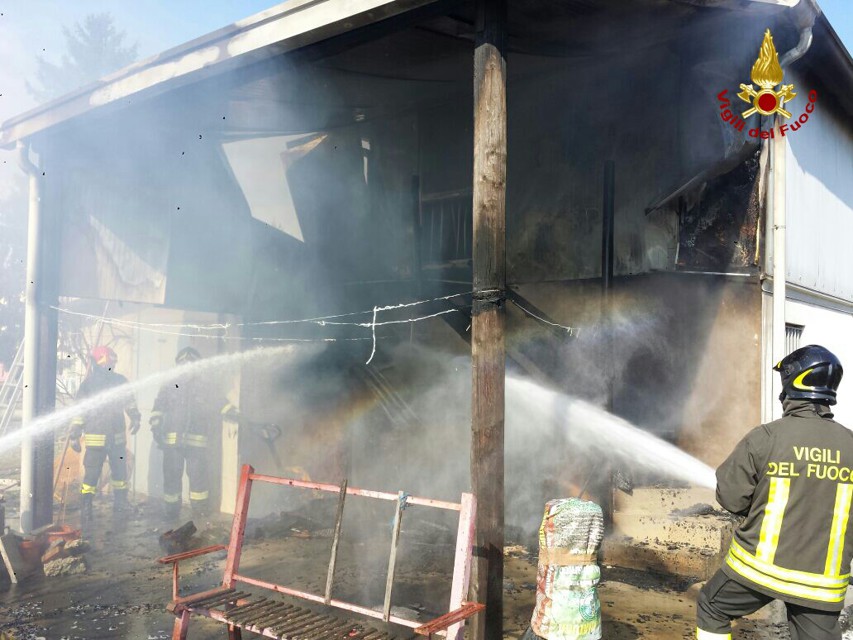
<point x="121" y="508"/>
<point x="87" y="515"/>
<point x="171" y="511"/>
<point x="201" y="512"/>
<point x="199" y="507"/>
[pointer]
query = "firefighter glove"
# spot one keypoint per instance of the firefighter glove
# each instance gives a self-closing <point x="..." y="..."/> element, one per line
<point x="74" y="440"/>
<point x="230" y="413"/>
<point x="135" y="419"/>
<point x="157" y="429"/>
<point x="271" y="432"/>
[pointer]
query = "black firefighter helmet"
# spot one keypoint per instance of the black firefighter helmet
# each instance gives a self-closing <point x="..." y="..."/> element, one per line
<point x="810" y="373"/>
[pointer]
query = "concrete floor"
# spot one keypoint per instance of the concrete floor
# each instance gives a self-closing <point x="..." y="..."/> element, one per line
<point x="124" y="593"/>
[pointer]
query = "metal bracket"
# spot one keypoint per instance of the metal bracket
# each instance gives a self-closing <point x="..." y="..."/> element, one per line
<point x="487" y="300"/>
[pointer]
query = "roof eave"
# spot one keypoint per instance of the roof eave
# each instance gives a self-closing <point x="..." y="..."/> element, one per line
<point x="282" y="28"/>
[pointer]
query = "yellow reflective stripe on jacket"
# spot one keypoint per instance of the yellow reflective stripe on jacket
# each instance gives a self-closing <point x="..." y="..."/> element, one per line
<point x="838" y="581"/>
<point x="771" y="523"/>
<point x="78" y="421"/>
<point x="199" y="495"/>
<point x="786" y="588"/>
<point x="171" y="438"/>
<point x="195" y="440"/>
<point x="88" y="488"/>
<point x="95" y="440"/>
<point x="841" y="514"/>
<point x="701" y="634"/>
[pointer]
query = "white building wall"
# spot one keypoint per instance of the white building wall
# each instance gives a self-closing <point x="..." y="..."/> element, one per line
<point x="832" y="328"/>
<point x="819" y="197"/>
<point x="819" y="261"/>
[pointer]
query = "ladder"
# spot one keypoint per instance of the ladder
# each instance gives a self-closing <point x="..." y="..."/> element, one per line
<point x="10" y="392"/>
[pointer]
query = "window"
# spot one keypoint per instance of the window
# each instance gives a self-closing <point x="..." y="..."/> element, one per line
<point x="793" y="337"/>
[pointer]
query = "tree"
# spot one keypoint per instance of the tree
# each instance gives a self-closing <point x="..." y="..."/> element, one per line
<point x="94" y="49"/>
<point x="12" y="274"/>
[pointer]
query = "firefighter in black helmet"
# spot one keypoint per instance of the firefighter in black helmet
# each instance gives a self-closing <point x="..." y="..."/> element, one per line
<point x="792" y="480"/>
<point x="181" y="421"/>
<point x="104" y="430"/>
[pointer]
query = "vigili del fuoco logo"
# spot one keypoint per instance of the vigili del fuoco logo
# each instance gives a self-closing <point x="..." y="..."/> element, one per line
<point x="766" y="100"/>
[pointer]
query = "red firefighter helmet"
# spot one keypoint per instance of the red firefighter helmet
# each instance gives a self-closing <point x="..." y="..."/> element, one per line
<point x="104" y="356"/>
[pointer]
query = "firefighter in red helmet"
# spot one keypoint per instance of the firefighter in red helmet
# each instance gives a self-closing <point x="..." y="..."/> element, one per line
<point x="103" y="431"/>
<point x="181" y="422"/>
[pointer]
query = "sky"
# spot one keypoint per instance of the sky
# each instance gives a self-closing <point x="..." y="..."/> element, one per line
<point x="31" y="28"/>
<point x="840" y="16"/>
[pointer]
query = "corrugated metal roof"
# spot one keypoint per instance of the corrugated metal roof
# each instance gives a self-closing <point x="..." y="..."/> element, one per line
<point x="298" y="23"/>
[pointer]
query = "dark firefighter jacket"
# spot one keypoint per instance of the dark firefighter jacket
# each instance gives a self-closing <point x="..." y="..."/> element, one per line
<point x="187" y="410"/>
<point x="793" y="480"/>
<point x="103" y="426"/>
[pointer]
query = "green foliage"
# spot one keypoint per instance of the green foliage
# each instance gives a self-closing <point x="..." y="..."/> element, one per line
<point x="13" y="235"/>
<point x="94" y="48"/>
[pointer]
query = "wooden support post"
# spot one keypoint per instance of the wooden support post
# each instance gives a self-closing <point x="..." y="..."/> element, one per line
<point x="488" y="350"/>
<point x="605" y="492"/>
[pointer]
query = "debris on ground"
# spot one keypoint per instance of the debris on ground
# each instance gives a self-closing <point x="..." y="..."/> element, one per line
<point x="55" y="551"/>
<point x="704" y="509"/>
<point x="70" y="566"/>
<point x="178" y="540"/>
<point x="287" y="524"/>
<point x="516" y="551"/>
<point x="845" y="621"/>
<point x="76" y="547"/>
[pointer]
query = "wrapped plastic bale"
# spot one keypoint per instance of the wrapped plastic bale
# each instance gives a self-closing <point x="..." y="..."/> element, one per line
<point x="567" y="606"/>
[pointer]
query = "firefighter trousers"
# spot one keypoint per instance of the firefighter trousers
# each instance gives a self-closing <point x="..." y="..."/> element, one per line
<point x="195" y="459"/>
<point x="723" y="600"/>
<point x="93" y="463"/>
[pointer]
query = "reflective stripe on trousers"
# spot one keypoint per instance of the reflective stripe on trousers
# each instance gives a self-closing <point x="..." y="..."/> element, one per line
<point x="95" y="440"/>
<point x="195" y="440"/>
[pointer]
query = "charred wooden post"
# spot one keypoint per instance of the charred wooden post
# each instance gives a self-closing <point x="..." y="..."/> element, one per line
<point x="488" y="350"/>
<point x="607" y="229"/>
<point x="605" y="494"/>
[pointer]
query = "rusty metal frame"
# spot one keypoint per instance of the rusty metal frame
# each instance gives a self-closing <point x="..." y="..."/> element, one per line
<point x="459" y="609"/>
<point x="352" y="491"/>
<point x="238" y="526"/>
